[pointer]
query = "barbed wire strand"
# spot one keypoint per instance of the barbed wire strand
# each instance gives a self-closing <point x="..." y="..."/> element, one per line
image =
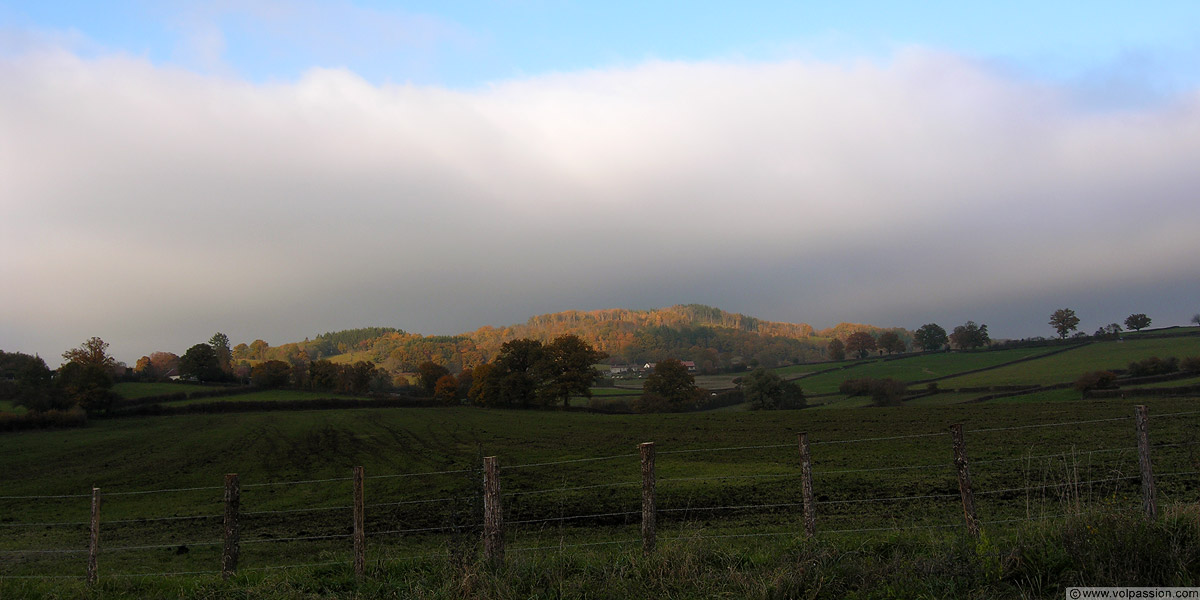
<point x="569" y="461"/>
<point x="570" y="518"/>
<point x="422" y="530"/>
<point x="306" y="538"/>
<point x="730" y="449"/>
<point x="571" y="489"/>
<point x="894" y="498"/>
<point x="583" y="545"/>
<point x="732" y="507"/>
<point x="1063" y="454"/>
<point x="295" y="510"/>
<point x="427" y="473"/>
<point x="716" y="477"/>
<point x="403" y="502"/>
<point x="1035" y="426"/>
<point x="297" y="482"/>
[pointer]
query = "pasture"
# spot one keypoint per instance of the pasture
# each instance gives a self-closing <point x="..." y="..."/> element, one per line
<point x="1044" y="465"/>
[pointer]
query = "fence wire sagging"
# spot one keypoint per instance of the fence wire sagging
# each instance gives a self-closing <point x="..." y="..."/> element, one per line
<point x="963" y="479"/>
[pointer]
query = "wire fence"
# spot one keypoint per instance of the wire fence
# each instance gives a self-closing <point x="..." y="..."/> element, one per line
<point x="695" y="495"/>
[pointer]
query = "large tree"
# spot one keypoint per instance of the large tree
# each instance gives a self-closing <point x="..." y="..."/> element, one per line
<point x="220" y="346"/>
<point x="258" y="349"/>
<point x="568" y="370"/>
<point x="930" y="336"/>
<point x="200" y="362"/>
<point x="669" y="388"/>
<point x="836" y="349"/>
<point x="1064" y="321"/>
<point x="526" y="371"/>
<point x="1137" y="321"/>
<point x="969" y="336"/>
<point x="429" y="373"/>
<point x="890" y="342"/>
<point x="92" y="352"/>
<point x="86" y="378"/>
<point x="512" y="378"/>
<point x="861" y="343"/>
<point x="767" y="390"/>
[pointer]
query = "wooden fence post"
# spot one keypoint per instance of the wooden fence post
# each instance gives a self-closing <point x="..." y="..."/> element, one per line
<point x="93" y="574"/>
<point x="806" y="487"/>
<point x="649" y="514"/>
<point x="360" y="528"/>
<point x="233" y="502"/>
<point x="493" y="514"/>
<point x="964" y="479"/>
<point x="1149" y="503"/>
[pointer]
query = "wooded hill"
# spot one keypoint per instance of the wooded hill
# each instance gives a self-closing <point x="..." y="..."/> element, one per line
<point x="713" y="338"/>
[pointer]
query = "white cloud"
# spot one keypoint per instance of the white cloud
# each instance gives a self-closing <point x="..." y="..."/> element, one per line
<point x="184" y="203"/>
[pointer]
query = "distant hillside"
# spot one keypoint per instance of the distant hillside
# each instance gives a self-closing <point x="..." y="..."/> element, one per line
<point x="711" y="337"/>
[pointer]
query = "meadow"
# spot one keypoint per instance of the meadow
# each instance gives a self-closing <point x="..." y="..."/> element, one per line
<point x="1047" y="471"/>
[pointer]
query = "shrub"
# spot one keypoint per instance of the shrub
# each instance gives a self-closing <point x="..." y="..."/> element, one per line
<point x="883" y="392"/>
<point x="1153" y="366"/>
<point x="1096" y="380"/>
<point x="1190" y="364"/>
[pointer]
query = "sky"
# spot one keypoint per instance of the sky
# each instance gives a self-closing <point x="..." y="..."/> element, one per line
<point x="277" y="169"/>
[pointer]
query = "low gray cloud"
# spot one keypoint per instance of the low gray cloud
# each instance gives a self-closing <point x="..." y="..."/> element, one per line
<point x="154" y="206"/>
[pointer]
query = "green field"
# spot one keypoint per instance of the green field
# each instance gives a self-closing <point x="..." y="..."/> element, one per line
<point x="916" y="368"/>
<point x="571" y="479"/>
<point x="1068" y="366"/>
<point x="9" y="407"/>
<point x="134" y="390"/>
<point x="263" y="396"/>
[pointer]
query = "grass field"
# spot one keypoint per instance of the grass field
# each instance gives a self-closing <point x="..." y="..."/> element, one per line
<point x="1068" y="366"/>
<point x="8" y="406"/>
<point x="926" y="366"/>
<point x="134" y="390"/>
<point x="263" y="396"/>
<point x="573" y="478"/>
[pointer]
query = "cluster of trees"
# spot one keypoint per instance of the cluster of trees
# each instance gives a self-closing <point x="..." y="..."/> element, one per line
<point x="528" y="373"/>
<point x="1064" y="321"/>
<point x="85" y="379"/>
<point x="862" y="343"/>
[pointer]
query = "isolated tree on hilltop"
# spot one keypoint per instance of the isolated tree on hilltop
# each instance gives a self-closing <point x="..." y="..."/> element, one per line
<point x="930" y="336"/>
<point x="860" y="342"/>
<point x="1196" y="319"/>
<point x="1064" y="321"/>
<point x="1137" y="321"/>
<point x="970" y="336"/>
<point x="92" y="352"/>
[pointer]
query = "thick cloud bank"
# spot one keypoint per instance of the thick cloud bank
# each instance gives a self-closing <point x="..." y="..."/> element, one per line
<point x="153" y="206"/>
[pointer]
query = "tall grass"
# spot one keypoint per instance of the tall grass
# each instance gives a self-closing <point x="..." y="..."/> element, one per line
<point x="1092" y="547"/>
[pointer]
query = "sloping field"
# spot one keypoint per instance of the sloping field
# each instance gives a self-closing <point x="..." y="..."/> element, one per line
<point x="916" y="368"/>
<point x="1068" y="366"/>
